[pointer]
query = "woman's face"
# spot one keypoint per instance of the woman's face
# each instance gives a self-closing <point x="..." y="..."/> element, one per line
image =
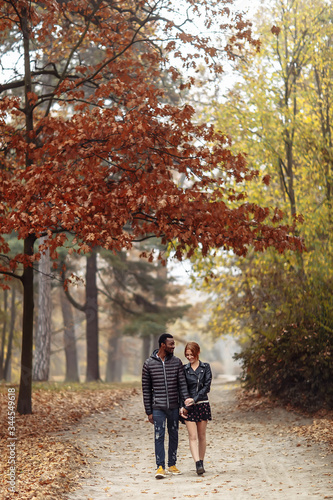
<point x="190" y="356"/>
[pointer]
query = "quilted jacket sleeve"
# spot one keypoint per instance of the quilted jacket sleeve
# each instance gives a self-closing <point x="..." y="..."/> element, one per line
<point x="147" y="388"/>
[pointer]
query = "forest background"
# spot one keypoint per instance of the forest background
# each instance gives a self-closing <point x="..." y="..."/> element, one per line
<point x="277" y="109"/>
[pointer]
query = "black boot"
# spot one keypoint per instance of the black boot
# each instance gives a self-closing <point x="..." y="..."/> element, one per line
<point x="200" y="467"/>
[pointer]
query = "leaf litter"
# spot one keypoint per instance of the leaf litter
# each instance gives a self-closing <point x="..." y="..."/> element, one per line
<point x="320" y="431"/>
<point x="46" y="466"/>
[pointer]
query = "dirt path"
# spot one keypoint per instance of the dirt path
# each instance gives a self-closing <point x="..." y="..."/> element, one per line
<point x="251" y="454"/>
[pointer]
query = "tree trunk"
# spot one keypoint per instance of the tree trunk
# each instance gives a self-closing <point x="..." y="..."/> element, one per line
<point x="114" y="361"/>
<point x="24" y="398"/>
<point x="325" y="114"/>
<point x="7" y="371"/>
<point x="290" y="103"/>
<point x="155" y="341"/>
<point x="91" y="311"/>
<point x="43" y="334"/>
<point x="72" y="369"/>
<point x="160" y="298"/>
<point x="146" y="349"/>
<point x="289" y="145"/>
<point x="114" y="366"/>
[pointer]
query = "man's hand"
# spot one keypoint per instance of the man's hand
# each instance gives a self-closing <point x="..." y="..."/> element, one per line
<point x="150" y="418"/>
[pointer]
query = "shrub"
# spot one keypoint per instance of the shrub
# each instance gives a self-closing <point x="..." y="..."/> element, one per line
<point x="296" y="367"/>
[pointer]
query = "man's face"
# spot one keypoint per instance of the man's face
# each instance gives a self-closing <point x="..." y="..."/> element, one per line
<point x="169" y="345"/>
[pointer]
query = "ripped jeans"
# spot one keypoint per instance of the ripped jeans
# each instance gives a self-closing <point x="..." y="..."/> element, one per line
<point x="171" y="417"/>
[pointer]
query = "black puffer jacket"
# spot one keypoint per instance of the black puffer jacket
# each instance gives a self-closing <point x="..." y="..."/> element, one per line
<point x="198" y="381"/>
<point x="163" y="385"/>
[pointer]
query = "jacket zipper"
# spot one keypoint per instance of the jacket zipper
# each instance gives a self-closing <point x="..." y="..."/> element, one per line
<point x="166" y="384"/>
<point x="198" y="382"/>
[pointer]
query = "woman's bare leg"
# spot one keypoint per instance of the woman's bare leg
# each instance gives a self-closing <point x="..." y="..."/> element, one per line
<point x="201" y="428"/>
<point x="193" y="439"/>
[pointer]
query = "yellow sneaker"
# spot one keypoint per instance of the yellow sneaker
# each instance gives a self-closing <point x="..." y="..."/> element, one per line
<point x="160" y="473"/>
<point x="173" y="470"/>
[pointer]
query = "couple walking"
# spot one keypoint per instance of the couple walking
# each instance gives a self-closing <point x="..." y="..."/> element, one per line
<point x="172" y="393"/>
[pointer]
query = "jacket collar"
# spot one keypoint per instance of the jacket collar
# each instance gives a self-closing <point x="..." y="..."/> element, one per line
<point x="154" y="355"/>
<point x="188" y="365"/>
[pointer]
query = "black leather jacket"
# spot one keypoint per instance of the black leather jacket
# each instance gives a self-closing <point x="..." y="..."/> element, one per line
<point x="198" y="381"/>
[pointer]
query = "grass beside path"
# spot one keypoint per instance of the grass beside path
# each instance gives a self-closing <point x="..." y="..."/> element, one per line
<point x="45" y="466"/>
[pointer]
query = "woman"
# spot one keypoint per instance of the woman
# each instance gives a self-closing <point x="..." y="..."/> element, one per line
<point x="196" y="410"/>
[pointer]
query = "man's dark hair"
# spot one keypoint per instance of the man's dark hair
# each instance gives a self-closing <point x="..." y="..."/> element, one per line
<point x="163" y="338"/>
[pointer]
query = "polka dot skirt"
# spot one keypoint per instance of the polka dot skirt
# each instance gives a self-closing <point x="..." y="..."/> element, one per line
<point x="199" y="412"/>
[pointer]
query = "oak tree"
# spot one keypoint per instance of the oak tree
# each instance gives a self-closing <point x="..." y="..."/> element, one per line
<point x="98" y="153"/>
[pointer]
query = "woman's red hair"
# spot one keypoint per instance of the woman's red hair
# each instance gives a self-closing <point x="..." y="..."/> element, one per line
<point x="193" y="347"/>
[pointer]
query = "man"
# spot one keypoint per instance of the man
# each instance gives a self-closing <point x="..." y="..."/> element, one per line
<point x="163" y="387"/>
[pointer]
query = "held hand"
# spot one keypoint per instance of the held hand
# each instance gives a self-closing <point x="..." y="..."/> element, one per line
<point x="183" y="413"/>
<point x="150" y="418"/>
<point x="189" y="402"/>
